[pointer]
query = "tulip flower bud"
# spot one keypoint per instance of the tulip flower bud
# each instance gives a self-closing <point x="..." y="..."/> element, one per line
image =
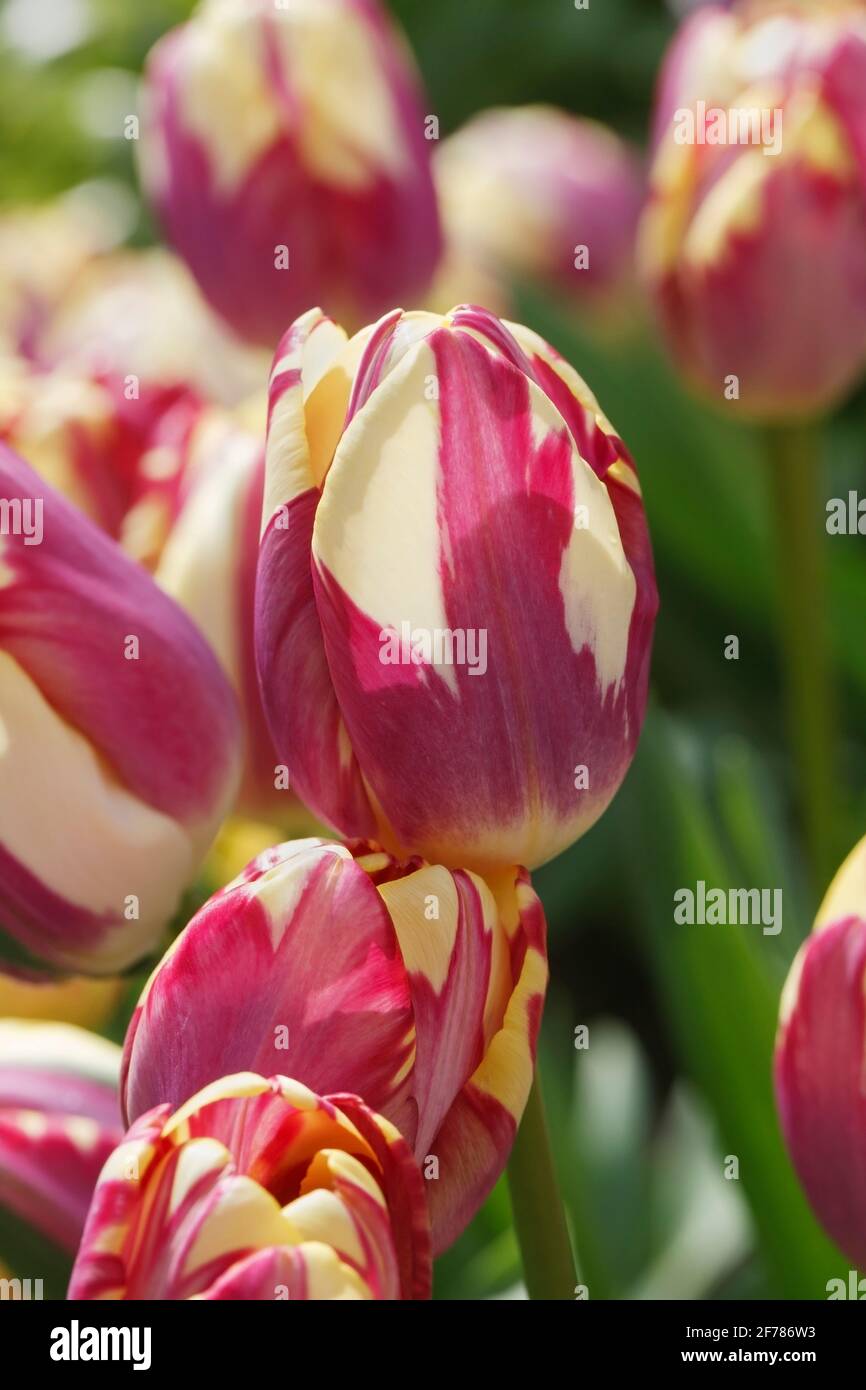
<point x="284" y="150"/>
<point x="119" y="741"/>
<point x="820" y="1063"/>
<point x="535" y="194"/>
<point x="59" y="1121"/>
<point x="754" y="238"/>
<point x="455" y="596"/>
<point x="418" y="988"/>
<point x="257" y="1190"/>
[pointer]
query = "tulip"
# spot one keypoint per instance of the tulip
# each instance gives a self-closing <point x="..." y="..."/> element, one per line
<point x="257" y="1189"/>
<point x="754" y="239"/>
<point x="455" y="595"/>
<point x="283" y="147"/>
<point x="141" y="312"/>
<point x="179" y="485"/>
<point x="119" y="744"/>
<point x="418" y="988"/>
<point x="535" y="194"/>
<point x="820" y="1062"/>
<point x="104" y="441"/>
<point x="59" y="1121"/>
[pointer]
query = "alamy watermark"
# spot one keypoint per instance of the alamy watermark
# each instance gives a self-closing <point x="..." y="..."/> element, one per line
<point x="754" y="907"/>
<point x="846" y="516"/>
<point x="854" y="1287"/>
<point x="734" y="125"/>
<point x="436" y="646"/>
<point x="77" y="1343"/>
<point x="22" y="516"/>
<point x="20" y="1290"/>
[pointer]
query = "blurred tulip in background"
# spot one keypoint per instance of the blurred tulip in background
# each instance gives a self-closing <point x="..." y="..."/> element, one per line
<point x="534" y="194"/>
<point x="140" y="312"/>
<point x="285" y="152"/>
<point x="754" y="238"/>
<point x="59" y="1121"/>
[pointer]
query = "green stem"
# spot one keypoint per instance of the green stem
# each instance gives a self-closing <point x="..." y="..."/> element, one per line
<point x="795" y="470"/>
<point x="539" y="1216"/>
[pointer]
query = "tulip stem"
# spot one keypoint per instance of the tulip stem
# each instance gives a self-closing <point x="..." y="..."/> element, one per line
<point x="539" y="1216"/>
<point x="795" y="472"/>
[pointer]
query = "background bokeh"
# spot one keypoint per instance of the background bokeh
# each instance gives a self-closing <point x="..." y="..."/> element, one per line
<point x="676" y="1078"/>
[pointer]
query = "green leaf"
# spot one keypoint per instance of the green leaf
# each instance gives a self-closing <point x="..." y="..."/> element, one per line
<point x="721" y="1003"/>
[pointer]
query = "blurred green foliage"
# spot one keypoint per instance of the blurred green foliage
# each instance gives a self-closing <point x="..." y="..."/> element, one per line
<point x="681" y="1019"/>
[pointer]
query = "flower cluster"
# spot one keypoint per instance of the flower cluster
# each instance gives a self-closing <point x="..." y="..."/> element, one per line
<point x="408" y="591"/>
<point x="390" y="986"/>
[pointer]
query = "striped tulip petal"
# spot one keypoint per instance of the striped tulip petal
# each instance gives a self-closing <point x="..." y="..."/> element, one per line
<point x="257" y="1189"/>
<point x="820" y="1062"/>
<point x="179" y="485"/>
<point x="417" y="987"/>
<point x="59" y="1121"/>
<point x="119" y="731"/>
<point x="295" y="967"/>
<point x="455" y="575"/>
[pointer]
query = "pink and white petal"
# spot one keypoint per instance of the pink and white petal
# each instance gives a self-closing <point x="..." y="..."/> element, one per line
<point x="208" y="565"/>
<point x="199" y="1221"/>
<point x="597" y="441"/>
<point x="298" y="695"/>
<point x="299" y="1273"/>
<point x="454" y="952"/>
<point x="100" y="1270"/>
<point x="67" y="609"/>
<point x="308" y="382"/>
<point x="49" y="1166"/>
<point x="273" y="1127"/>
<point x="424" y="545"/>
<point x="341" y="1205"/>
<point x="404" y="1190"/>
<point x="76" y="844"/>
<point x="301" y="971"/>
<point x="475" y="1139"/>
<point x="694" y="65"/>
